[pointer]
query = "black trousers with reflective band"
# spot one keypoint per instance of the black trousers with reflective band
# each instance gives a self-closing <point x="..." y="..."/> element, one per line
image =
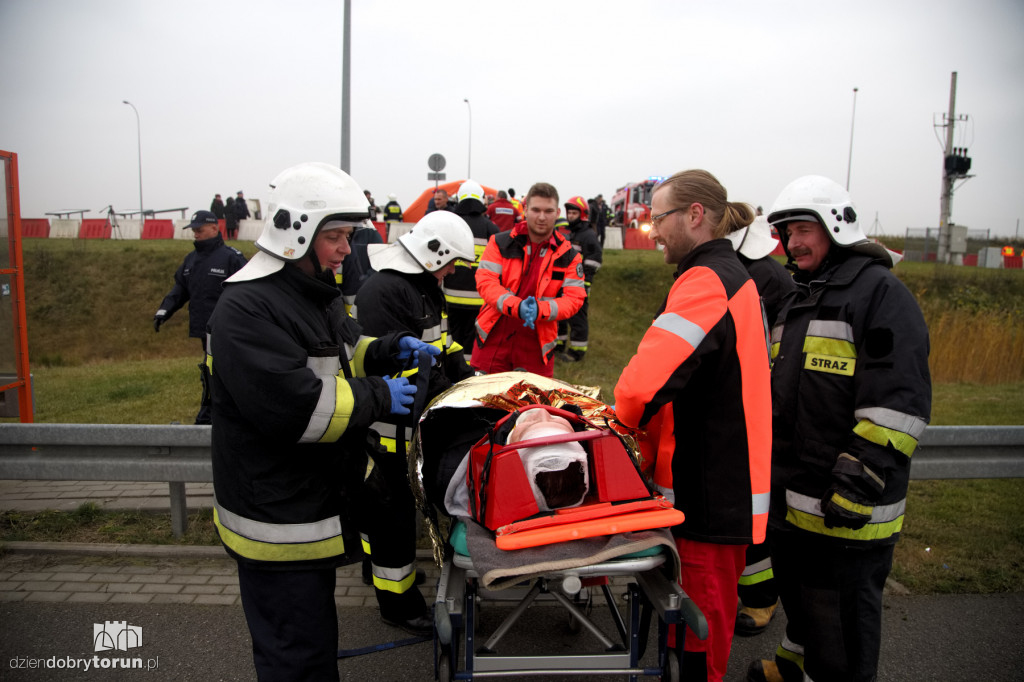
<point x="761" y="594"/>
<point x="386" y="513"/>
<point x="293" y="622"/>
<point x="832" y="595"/>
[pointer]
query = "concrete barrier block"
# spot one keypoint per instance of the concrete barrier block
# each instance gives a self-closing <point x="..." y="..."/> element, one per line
<point x="249" y="230"/>
<point x="397" y="230"/>
<point x="612" y="237"/>
<point x="65" y="229"/>
<point x="127" y="229"/>
<point x="179" y="230"/>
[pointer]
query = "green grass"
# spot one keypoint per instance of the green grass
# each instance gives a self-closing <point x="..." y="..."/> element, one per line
<point x="90" y="523"/>
<point x="96" y="359"/>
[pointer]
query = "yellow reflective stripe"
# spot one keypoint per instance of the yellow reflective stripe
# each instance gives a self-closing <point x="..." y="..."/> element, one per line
<point x="850" y="505"/>
<point x="366" y="544"/>
<point x="359" y="355"/>
<point x="344" y="406"/>
<point x="816" y="524"/>
<point x="756" y="578"/>
<point x="267" y="551"/>
<point x="397" y="586"/>
<point x="457" y="297"/>
<point x="789" y="655"/>
<point x="455" y="347"/>
<point x="775" y="350"/>
<point x="880" y="435"/>
<point x="824" y="346"/>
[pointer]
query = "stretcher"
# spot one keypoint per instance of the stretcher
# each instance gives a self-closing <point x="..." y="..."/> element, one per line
<point x="509" y="544"/>
<point x="463" y="652"/>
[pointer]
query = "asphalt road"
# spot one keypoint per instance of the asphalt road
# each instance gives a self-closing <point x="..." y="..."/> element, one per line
<point x="965" y="637"/>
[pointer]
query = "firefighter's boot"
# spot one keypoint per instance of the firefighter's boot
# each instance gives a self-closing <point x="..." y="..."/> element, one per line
<point x="770" y="671"/>
<point x="751" y="621"/>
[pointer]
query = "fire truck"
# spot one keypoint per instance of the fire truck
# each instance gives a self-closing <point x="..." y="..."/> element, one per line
<point x="631" y="204"/>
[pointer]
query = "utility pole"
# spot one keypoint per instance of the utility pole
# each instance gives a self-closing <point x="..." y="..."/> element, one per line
<point x="346" y="55"/>
<point x="849" y="159"/>
<point x="956" y="164"/>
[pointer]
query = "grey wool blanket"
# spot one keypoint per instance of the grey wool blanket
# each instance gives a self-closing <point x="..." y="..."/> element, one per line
<point x="500" y="569"/>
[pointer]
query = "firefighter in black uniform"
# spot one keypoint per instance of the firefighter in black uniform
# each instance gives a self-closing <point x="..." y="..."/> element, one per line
<point x="392" y="210"/>
<point x="460" y="286"/>
<point x="759" y="597"/>
<point x="294" y="392"/>
<point x="198" y="282"/>
<point x="573" y="333"/>
<point x="404" y="295"/>
<point x="851" y="396"/>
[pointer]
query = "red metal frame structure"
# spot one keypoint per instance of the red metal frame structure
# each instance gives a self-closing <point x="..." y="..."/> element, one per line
<point x="16" y="270"/>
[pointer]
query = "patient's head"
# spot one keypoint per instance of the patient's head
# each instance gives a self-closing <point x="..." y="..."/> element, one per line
<point x="558" y="472"/>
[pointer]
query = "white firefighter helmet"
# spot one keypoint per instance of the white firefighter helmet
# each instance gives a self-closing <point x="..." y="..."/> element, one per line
<point x="815" y="198"/>
<point x="435" y="241"/>
<point x="303" y="199"/>
<point x="754" y="241"/>
<point x="470" y="190"/>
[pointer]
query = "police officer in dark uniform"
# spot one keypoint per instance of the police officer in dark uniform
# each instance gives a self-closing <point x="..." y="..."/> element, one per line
<point x="198" y="282"/>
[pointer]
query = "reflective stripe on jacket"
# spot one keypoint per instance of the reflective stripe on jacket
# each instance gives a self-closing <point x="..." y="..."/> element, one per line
<point x="560" y="290"/>
<point x="850" y="375"/>
<point x="699" y="383"/>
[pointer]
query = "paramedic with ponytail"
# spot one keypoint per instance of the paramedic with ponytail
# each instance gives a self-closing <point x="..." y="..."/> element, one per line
<point x="294" y="392"/>
<point x="699" y="385"/>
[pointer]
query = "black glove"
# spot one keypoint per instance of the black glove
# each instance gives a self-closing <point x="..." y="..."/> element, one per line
<point x="842" y="512"/>
<point x="157" y="321"/>
<point x="848" y="503"/>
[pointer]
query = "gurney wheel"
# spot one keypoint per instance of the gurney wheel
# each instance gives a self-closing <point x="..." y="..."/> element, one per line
<point x="671" y="671"/>
<point x="444" y="667"/>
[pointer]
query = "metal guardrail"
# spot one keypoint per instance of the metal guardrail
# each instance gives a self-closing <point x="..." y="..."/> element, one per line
<point x="181" y="454"/>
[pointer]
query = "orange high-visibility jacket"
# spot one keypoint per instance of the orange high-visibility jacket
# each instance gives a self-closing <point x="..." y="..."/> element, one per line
<point x="560" y="290"/>
<point x="700" y="384"/>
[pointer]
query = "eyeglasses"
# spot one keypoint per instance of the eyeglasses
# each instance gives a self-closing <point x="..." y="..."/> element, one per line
<point x="656" y="220"/>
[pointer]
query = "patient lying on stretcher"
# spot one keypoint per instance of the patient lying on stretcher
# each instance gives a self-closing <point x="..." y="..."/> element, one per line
<point x="557" y="473"/>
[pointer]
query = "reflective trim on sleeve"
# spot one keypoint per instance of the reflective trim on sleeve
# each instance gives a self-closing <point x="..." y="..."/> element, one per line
<point x="590" y="263"/>
<point x="502" y="299"/>
<point x="491" y="266"/>
<point x="883" y="426"/>
<point x="324" y="367"/>
<point x="332" y="412"/>
<point x="804" y="512"/>
<point x="358" y="355"/>
<point x="681" y="327"/>
<point x="574" y="283"/>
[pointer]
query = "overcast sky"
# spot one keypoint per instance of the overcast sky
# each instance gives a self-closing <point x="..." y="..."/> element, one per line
<point x="585" y="95"/>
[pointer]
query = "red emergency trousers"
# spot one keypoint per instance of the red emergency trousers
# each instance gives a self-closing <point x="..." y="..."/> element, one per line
<point x="700" y="384"/>
<point x="500" y="278"/>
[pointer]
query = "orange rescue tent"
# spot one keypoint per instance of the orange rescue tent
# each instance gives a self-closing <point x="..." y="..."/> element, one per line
<point x="418" y="208"/>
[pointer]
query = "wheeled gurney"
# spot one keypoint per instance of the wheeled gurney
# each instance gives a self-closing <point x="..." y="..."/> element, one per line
<point x="512" y="543"/>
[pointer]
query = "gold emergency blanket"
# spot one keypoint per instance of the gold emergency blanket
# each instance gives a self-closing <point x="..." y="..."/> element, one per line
<point x="507" y="391"/>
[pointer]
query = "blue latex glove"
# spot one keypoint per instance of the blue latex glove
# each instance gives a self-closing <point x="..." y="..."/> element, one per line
<point x="410" y="346"/>
<point x="402" y="393"/>
<point x="528" y="312"/>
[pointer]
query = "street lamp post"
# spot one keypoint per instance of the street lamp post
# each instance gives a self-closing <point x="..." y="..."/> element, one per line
<point x="849" y="160"/>
<point x="469" y="163"/>
<point x="138" y="127"/>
